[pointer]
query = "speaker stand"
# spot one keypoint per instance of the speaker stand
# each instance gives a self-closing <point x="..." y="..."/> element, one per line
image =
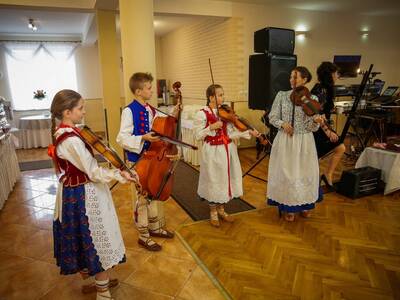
<point x="255" y="165"/>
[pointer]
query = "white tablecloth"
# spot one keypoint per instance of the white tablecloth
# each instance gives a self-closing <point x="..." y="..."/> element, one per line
<point x="387" y="161"/>
<point x="9" y="169"/>
<point x="190" y="155"/>
<point x="35" y="131"/>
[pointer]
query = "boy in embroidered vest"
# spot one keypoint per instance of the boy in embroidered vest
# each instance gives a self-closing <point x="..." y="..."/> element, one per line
<point x="220" y="171"/>
<point x="87" y="237"/>
<point x="135" y="137"/>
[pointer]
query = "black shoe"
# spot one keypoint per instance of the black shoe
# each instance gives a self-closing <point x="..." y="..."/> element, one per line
<point x="329" y="187"/>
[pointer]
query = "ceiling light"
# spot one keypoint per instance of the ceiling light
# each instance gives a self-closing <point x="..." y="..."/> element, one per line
<point x="300" y="36"/>
<point x="32" y="25"/>
<point x="301" y="28"/>
<point x="364" y="33"/>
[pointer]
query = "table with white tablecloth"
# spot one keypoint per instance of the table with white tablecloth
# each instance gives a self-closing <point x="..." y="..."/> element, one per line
<point x="9" y="169"/>
<point x="188" y="136"/>
<point x="35" y="131"/>
<point x="387" y="161"/>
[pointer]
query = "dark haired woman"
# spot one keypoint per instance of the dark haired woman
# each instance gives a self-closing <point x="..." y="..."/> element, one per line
<point x="293" y="174"/>
<point x="326" y="140"/>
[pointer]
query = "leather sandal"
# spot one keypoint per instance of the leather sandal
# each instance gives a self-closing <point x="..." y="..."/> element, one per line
<point x="98" y="297"/>
<point x="222" y="213"/>
<point x="289" y="217"/>
<point x="214" y="219"/>
<point x="152" y="247"/>
<point x="163" y="234"/>
<point x="91" y="287"/>
<point x="306" y="214"/>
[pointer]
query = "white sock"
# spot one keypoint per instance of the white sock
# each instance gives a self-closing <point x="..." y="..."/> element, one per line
<point x="102" y="289"/>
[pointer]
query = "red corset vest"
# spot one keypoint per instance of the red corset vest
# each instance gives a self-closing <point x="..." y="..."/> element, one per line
<point x="71" y="175"/>
<point x="221" y="136"/>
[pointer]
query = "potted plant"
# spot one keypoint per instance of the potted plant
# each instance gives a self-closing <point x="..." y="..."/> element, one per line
<point x="39" y="94"/>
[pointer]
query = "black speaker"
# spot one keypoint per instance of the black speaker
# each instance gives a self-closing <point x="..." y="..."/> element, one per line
<point x="268" y="74"/>
<point x="274" y="40"/>
<point x="360" y="182"/>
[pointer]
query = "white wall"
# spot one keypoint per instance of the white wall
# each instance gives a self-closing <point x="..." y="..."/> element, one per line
<point x="159" y="61"/>
<point x="186" y="51"/>
<point x="88" y="72"/>
<point x="329" y="34"/>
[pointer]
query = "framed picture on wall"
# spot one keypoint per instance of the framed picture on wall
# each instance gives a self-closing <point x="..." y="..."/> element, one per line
<point x="161" y="87"/>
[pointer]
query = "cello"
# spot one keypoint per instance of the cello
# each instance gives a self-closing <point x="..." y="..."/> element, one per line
<point x="155" y="168"/>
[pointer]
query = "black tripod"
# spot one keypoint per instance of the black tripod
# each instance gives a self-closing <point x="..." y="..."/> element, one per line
<point x="266" y="149"/>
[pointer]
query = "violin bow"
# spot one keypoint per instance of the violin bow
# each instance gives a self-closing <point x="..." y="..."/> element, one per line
<point x="209" y="64"/>
<point x="212" y="80"/>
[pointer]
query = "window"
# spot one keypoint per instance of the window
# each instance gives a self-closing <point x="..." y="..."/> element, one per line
<point x="49" y="67"/>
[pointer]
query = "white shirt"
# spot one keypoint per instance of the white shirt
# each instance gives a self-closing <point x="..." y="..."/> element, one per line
<point x="132" y="143"/>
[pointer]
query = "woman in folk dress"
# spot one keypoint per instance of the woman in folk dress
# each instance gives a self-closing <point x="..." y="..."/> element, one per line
<point x="293" y="172"/>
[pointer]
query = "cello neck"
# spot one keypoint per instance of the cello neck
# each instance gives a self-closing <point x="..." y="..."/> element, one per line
<point x="178" y="96"/>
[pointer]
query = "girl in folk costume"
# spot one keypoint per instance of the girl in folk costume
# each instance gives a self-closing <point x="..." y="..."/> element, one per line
<point x="293" y="175"/>
<point x="220" y="171"/>
<point x="87" y="237"/>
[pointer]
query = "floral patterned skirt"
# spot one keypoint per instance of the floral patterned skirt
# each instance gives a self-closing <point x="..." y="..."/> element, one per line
<point x="73" y="245"/>
<point x="293" y="173"/>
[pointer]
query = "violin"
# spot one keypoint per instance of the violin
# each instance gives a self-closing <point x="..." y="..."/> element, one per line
<point x="301" y="96"/>
<point x="227" y="114"/>
<point x="108" y="153"/>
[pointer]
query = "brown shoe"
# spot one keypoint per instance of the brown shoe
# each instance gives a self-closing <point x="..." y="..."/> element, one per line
<point x="306" y="214"/>
<point x="224" y="216"/>
<point x="214" y="221"/>
<point x="289" y="217"/>
<point x="227" y="218"/>
<point x="163" y="234"/>
<point x="151" y="247"/>
<point x="91" y="288"/>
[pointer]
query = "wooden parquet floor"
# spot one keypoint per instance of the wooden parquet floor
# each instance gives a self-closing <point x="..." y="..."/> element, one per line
<point x="348" y="249"/>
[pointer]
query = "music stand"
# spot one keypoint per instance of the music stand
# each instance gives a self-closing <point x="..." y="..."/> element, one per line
<point x="352" y="113"/>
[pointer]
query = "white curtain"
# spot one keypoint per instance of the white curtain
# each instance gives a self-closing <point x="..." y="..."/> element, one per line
<point x="47" y="66"/>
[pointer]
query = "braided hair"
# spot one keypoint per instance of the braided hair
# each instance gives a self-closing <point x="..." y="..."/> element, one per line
<point x="211" y="91"/>
<point x="62" y="101"/>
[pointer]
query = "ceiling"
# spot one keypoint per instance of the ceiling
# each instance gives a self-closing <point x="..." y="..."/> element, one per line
<point x="366" y="7"/>
<point x="70" y="24"/>
<point x="14" y="22"/>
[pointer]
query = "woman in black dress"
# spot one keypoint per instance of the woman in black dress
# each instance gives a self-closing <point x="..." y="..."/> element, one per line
<point x="326" y="140"/>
